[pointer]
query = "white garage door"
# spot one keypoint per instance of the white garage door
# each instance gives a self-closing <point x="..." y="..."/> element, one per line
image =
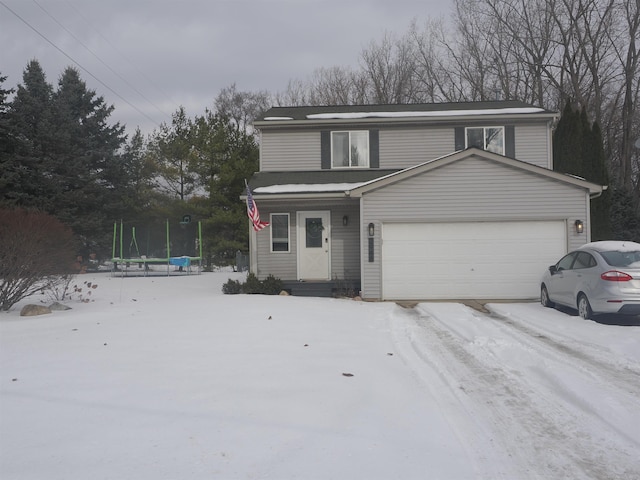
<point x="477" y="260"/>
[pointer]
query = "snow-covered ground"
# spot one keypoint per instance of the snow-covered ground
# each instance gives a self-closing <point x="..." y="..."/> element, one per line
<point x="167" y="378"/>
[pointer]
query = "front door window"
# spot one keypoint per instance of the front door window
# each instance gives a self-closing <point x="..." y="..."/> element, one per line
<point x="313" y="230"/>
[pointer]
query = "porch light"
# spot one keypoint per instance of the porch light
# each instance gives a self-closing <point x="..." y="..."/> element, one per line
<point x="345" y="220"/>
<point x="579" y="226"/>
<point x="372" y="229"/>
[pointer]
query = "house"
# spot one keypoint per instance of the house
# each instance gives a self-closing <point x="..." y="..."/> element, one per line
<point x="414" y="202"/>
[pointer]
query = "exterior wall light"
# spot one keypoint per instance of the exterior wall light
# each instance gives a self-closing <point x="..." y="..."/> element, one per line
<point x="345" y="220"/>
<point x="579" y="226"/>
<point x="371" y="229"/>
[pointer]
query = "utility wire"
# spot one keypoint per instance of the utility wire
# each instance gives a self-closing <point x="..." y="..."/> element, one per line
<point x="123" y="55"/>
<point x="79" y="65"/>
<point x="99" y="59"/>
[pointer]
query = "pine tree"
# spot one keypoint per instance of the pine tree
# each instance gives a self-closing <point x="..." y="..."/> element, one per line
<point x="25" y="174"/>
<point x="578" y="150"/>
<point x="85" y="165"/>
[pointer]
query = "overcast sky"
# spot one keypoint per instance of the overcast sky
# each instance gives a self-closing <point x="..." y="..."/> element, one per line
<point x="148" y="57"/>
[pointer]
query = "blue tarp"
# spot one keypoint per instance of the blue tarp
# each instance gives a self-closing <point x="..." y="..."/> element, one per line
<point x="180" y="261"/>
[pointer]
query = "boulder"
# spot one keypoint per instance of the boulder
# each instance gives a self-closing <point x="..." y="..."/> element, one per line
<point x="32" y="310"/>
<point x="59" y="307"/>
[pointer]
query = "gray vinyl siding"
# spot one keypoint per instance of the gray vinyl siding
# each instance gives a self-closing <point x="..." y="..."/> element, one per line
<point x="533" y="144"/>
<point x="402" y="148"/>
<point x="345" y="240"/>
<point x="469" y="190"/>
<point x="290" y="150"/>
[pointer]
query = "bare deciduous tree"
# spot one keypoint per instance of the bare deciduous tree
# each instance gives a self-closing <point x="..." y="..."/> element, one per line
<point x="34" y="247"/>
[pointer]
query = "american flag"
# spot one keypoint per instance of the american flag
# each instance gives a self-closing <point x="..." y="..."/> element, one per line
<point x="252" y="212"/>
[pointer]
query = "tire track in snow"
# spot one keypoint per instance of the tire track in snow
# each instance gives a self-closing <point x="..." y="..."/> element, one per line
<point x="512" y="428"/>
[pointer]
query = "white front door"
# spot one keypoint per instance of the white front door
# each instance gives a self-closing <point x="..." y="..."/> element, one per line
<point x="313" y="234"/>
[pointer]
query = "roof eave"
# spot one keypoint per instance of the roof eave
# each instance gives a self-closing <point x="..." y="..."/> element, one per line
<point x="260" y="124"/>
<point x="297" y="195"/>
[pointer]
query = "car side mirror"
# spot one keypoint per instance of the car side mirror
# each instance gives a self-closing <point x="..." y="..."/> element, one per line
<point x="553" y="269"/>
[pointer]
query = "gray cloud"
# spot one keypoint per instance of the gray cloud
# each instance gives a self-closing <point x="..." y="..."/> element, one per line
<point x="154" y="56"/>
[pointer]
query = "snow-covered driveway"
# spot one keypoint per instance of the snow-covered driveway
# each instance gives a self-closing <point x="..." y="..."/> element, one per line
<point x="166" y="378"/>
<point x="535" y="385"/>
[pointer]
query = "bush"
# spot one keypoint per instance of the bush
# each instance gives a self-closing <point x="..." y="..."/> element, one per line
<point x="34" y="247"/>
<point x="269" y="286"/>
<point x="232" y="287"/>
<point x="252" y="285"/>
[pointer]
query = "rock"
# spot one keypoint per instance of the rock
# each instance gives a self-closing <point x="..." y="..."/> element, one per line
<point x="59" y="307"/>
<point x="284" y="293"/>
<point x="32" y="310"/>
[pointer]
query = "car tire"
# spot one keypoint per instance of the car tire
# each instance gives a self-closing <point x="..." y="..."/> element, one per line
<point x="584" y="307"/>
<point x="544" y="297"/>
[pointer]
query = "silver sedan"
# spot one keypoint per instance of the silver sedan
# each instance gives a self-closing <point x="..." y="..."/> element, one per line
<point x="599" y="277"/>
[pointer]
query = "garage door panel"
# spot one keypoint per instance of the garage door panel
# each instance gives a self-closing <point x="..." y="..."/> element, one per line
<point x="468" y="260"/>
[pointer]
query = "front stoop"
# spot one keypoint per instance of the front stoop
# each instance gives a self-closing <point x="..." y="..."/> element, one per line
<point x="322" y="289"/>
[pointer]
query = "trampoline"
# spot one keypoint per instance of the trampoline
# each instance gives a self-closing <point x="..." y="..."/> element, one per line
<point x="153" y="250"/>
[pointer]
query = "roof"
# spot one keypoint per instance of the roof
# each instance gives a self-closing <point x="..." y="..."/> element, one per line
<point x="355" y="183"/>
<point x="312" y="114"/>
<point x="318" y="181"/>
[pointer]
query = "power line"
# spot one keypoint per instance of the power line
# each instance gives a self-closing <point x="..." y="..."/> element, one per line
<point x="123" y="55"/>
<point x="98" y="57"/>
<point x="79" y="65"/>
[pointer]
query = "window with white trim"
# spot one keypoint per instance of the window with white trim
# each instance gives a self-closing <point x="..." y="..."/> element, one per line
<point x="486" y="138"/>
<point x="279" y="227"/>
<point x="350" y="149"/>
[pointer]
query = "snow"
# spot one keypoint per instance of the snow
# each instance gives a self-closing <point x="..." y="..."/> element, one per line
<point x="614" y="246"/>
<point x="308" y="188"/>
<point x="440" y="113"/>
<point x="167" y="378"/>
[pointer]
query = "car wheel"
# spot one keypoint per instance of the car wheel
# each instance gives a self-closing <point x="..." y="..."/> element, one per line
<point x="584" y="308"/>
<point x="544" y="298"/>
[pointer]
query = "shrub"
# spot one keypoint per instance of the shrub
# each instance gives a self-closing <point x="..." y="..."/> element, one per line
<point x="34" y="247"/>
<point x="252" y="285"/>
<point x="269" y="286"/>
<point x="232" y="287"/>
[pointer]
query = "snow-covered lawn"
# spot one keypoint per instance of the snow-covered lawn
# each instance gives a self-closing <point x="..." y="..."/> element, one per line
<point x="167" y="378"/>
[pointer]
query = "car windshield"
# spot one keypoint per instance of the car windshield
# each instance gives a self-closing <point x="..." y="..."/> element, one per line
<point x="622" y="259"/>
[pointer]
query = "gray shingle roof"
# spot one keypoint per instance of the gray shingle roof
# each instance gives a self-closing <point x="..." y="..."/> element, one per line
<point x="318" y="177"/>
<point x="300" y="113"/>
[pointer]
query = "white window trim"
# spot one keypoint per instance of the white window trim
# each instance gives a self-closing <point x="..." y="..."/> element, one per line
<point x="288" y="250"/>
<point x="484" y="136"/>
<point x="337" y="167"/>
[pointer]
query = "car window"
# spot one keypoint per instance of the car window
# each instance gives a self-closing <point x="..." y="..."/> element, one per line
<point x="584" y="260"/>
<point x="622" y="259"/>
<point x="566" y="262"/>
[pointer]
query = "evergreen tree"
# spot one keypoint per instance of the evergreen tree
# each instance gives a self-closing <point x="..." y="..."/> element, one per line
<point x="596" y="171"/>
<point x="25" y="173"/>
<point x="170" y="148"/>
<point x="578" y="150"/>
<point x="625" y="223"/>
<point x="6" y="142"/>
<point x="226" y="156"/>
<point x="85" y="167"/>
<point x="568" y="142"/>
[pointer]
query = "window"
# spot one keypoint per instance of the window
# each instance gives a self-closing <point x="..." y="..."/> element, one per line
<point x="566" y="262"/>
<point x="350" y="149"/>
<point x="584" y="260"/>
<point x="279" y="232"/>
<point x="486" y="138"/>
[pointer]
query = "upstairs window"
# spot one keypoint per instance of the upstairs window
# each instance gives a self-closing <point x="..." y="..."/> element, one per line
<point x="486" y="138"/>
<point x="350" y="149"/>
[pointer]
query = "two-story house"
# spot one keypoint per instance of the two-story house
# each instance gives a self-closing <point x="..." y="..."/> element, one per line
<point x="430" y="201"/>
